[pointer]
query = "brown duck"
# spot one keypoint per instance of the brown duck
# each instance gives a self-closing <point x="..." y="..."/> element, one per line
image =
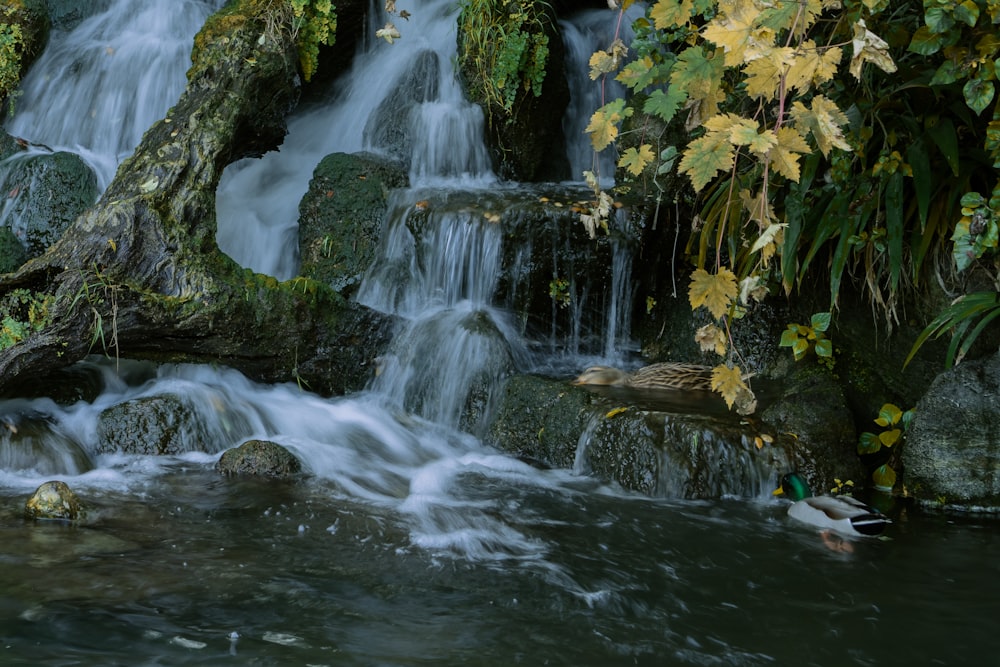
<point x="666" y="375"/>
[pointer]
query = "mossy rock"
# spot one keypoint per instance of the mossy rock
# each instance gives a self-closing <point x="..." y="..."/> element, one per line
<point x="341" y="215"/>
<point x="54" y="500"/>
<point x="259" y="458"/>
<point x="32" y="19"/>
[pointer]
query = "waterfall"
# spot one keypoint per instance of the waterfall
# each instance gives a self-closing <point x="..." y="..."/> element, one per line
<point x="98" y="87"/>
<point x="583" y="34"/>
<point x="400" y="100"/>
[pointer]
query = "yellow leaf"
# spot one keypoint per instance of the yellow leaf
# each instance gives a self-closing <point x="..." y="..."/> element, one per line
<point x="758" y="207"/>
<point x="603" y="127"/>
<point x="705" y="157"/>
<point x="784" y="157"/>
<point x="711" y="338"/>
<point x="823" y="121"/>
<point x="615" y="412"/>
<point x="869" y="47"/>
<point x="812" y="66"/>
<point x="729" y="382"/>
<point x="636" y="160"/>
<point x="716" y="292"/>
<point x="671" y="13"/>
<point x="764" y="73"/>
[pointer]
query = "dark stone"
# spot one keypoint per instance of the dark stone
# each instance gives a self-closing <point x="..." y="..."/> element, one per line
<point x="54" y="500"/>
<point x="148" y="426"/>
<point x="259" y="458"/>
<point x="341" y="215"/>
<point x="951" y="456"/>
<point x="46" y="193"/>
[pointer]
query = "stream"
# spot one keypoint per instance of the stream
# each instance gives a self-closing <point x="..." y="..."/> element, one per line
<point x="408" y="541"/>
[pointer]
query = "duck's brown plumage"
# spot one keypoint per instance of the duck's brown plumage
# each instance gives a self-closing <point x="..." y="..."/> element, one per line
<point x="666" y="375"/>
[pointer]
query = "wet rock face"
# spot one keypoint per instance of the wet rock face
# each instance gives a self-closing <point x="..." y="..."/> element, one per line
<point x="952" y="451"/>
<point x="259" y="458"/>
<point x="53" y="500"/>
<point x="674" y="446"/>
<point x="147" y="426"/>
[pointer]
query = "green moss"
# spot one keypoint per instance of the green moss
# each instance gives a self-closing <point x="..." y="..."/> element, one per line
<point x="310" y="23"/>
<point x="24" y="313"/>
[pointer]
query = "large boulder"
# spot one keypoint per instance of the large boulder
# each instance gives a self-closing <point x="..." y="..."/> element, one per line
<point x="951" y="457"/>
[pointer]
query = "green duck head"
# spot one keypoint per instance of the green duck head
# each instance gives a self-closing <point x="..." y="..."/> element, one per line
<point x="794" y="486"/>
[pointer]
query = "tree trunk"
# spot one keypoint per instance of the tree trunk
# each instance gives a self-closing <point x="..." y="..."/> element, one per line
<point x="140" y="274"/>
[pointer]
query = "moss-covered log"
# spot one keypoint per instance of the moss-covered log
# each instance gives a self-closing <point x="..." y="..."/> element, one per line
<point x="140" y="272"/>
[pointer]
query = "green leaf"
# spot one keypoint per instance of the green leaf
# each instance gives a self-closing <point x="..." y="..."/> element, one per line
<point x="942" y="132"/>
<point x="947" y="72"/>
<point x="800" y="348"/>
<point x="889" y="438"/>
<point x="978" y="94"/>
<point x="938" y="19"/>
<point x="888" y="415"/>
<point x="824" y="348"/>
<point x="705" y="157"/>
<point x="884" y="478"/>
<point x="920" y="163"/>
<point x="664" y="105"/>
<point x="967" y="13"/>
<point x="868" y="443"/>
<point x="788" y="338"/>
<point x="925" y="42"/>
<point x="820" y="321"/>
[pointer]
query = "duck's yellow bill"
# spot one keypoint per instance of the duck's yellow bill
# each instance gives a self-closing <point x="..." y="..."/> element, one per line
<point x="778" y="492"/>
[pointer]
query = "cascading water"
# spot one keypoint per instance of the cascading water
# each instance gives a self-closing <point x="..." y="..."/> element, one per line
<point x="98" y="87"/>
<point x="401" y="100"/>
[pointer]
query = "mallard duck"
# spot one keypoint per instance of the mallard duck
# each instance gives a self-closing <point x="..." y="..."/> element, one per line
<point x="667" y="375"/>
<point x="844" y="514"/>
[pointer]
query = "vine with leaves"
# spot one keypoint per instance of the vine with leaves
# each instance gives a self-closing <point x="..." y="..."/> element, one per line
<point x="794" y="144"/>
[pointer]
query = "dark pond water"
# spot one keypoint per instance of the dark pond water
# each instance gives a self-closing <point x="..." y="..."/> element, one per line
<point x="171" y="572"/>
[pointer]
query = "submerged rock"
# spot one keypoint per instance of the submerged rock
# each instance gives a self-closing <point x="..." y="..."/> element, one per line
<point x="952" y="453"/>
<point x="53" y="500"/>
<point x="260" y="458"/>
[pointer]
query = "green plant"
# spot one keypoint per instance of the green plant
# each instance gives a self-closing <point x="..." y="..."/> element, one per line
<point x="11" y="46"/>
<point x="25" y="313"/>
<point x="101" y="294"/>
<point x="507" y="45"/>
<point x="801" y="338"/>
<point x="956" y="319"/>
<point x="314" y="23"/>
<point x="893" y="422"/>
<point x="559" y="291"/>
<point x="815" y="137"/>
